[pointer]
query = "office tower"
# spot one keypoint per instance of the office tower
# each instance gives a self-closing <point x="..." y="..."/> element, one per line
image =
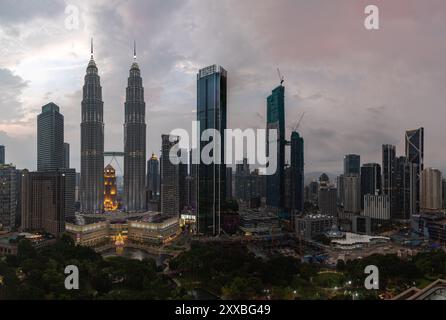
<point x="110" y="189"/>
<point x="50" y="138"/>
<point x="44" y="201"/>
<point x="211" y="113"/>
<point x="2" y="154"/>
<point x="134" y="142"/>
<point x="153" y="177"/>
<point x="431" y="190"/>
<point x="313" y="192"/>
<point x="352" y="164"/>
<point x="352" y="194"/>
<point x="340" y="187"/>
<point x="276" y="121"/>
<point x="389" y="172"/>
<point x="415" y="154"/>
<point x="377" y="207"/>
<point x="443" y="192"/>
<point x="229" y="193"/>
<point x="405" y="186"/>
<point x="297" y="173"/>
<point x="66" y="155"/>
<point x="8" y="196"/>
<point x="327" y="200"/>
<point x="183" y="184"/>
<point x="92" y="142"/>
<point x="242" y="173"/>
<point x="370" y="180"/>
<point x="170" y="196"/>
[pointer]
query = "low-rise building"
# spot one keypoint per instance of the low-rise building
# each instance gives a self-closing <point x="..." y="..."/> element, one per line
<point x="311" y="225"/>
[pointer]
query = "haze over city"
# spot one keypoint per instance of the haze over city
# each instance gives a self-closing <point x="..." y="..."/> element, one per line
<point x="359" y="89"/>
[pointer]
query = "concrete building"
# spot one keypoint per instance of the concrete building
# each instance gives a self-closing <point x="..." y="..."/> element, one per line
<point x="431" y="190"/>
<point x="66" y="155"/>
<point x="8" y="196"/>
<point x="352" y="194"/>
<point x="308" y="226"/>
<point x="377" y="207"/>
<point x="327" y="201"/>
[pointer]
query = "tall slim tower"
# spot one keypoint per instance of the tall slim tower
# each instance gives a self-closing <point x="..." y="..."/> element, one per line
<point x="134" y="142"/>
<point x="275" y="184"/>
<point x="297" y="172"/>
<point x="2" y="154"/>
<point x="211" y="113"/>
<point x="415" y="155"/>
<point x="92" y="141"/>
<point x="50" y="138"/>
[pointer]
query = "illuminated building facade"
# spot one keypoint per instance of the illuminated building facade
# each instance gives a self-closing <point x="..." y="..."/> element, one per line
<point x="110" y="190"/>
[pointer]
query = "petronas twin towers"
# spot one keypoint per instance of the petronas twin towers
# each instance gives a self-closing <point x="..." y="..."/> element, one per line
<point x="92" y="142"/>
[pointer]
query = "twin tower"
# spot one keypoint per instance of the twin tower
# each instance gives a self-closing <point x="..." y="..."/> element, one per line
<point x="92" y="142"/>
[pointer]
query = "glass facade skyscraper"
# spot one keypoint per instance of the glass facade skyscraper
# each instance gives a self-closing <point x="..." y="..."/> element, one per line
<point x="297" y="172"/>
<point x="352" y="164"/>
<point x="211" y="114"/>
<point x="275" y="184"/>
<point x="2" y="154"/>
<point x="414" y="141"/>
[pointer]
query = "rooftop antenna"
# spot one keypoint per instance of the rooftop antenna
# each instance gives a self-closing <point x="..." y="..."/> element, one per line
<point x="298" y="122"/>
<point x="281" y="78"/>
<point x="134" y="49"/>
<point x="91" y="49"/>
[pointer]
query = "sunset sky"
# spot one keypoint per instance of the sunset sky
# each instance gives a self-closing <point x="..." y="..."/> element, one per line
<point x="359" y="88"/>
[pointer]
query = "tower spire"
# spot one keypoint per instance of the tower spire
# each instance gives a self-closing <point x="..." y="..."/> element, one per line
<point x="91" y="49"/>
<point x="134" y="49"/>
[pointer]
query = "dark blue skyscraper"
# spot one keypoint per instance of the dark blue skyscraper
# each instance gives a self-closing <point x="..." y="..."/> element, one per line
<point x="370" y="180"/>
<point x="297" y="172"/>
<point x="2" y="154"/>
<point x="275" y="185"/>
<point x="50" y="138"/>
<point x="352" y="164"/>
<point x="415" y="154"/>
<point x="211" y="114"/>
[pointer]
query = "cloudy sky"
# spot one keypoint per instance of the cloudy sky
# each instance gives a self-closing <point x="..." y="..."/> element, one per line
<point x="359" y="88"/>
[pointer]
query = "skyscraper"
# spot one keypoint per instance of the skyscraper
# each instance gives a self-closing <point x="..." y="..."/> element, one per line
<point x="110" y="189"/>
<point x="170" y="191"/>
<point x="211" y="114"/>
<point x="352" y="164"/>
<point x="8" y="196"/>
<point x="50" y="138"/>
<point x="153" y="177"/>
<point x="66" y="155"/>
<point x="431" y="190"/>
<point x="370" y="180"/>
<point x="415" y="154"/>
<point x="275" y="183"/>
<point x="352" y="194"/>
<point x="2" y="154"/>
<point x="389" y="172"/>
<point x="297" y="173"/>
<point x="92" y="142"/>
<point x="134" y="142"/>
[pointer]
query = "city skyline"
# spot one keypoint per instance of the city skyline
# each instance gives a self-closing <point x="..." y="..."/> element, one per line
<point x="368" y="115"/>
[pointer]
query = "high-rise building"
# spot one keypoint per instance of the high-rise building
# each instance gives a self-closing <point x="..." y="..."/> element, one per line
<point x="276" y="121"/>
<point x="443" y="192"/>
<point x="431" y="190"/>
<point x="8" y="196"/>
<point x="340" y="187"/>
<point x="66" y="155"/>
<point x="389" y="176"/>
<point x="170" y="193"/>
<point x="92" y="142"/>
<point x="44" y="201"/>
<point x="134" y="142"/>
<point x="242" y="173"/>
<point x="370" y="180"/>
<point x="229" y="193"/>
<point x="297" y="173"/>
<point x="153" y="177"/>
<point x="2" y="154"/>
<point x="211" y="114"/>
<point x="405" y="186"/>
<point x="183" y="188"/>
<point x="377" y="207"/>
<point x="352" y="164"/>
<point x="110" y="189"/>
<point x="415" y="154"/>
<point x="352" y="194"/>
<point x="327" y="200"/>
<point x="50" y="138"/>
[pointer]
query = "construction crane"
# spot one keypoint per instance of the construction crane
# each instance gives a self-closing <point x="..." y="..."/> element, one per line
<point x="281" y="78"/>
<point x="298" y="122"/>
